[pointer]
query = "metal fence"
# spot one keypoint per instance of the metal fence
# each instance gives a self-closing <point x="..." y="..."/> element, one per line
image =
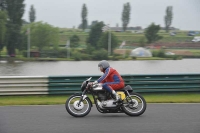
<point x="56" y="85"/>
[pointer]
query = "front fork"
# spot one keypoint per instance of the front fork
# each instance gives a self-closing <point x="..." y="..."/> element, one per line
<point x="83" y="96"/>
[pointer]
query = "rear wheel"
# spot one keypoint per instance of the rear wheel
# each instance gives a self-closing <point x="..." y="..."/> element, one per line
<point x="75" y="109"/>
<point x="134" y="105"/>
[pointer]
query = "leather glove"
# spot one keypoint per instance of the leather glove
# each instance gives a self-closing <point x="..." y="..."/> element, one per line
<point x="95" y="82"/>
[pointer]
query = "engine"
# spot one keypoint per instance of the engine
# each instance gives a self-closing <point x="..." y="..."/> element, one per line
<point x="102" y="96"/>
<point x="108" y="103"/>
<point x="105" y="100"/>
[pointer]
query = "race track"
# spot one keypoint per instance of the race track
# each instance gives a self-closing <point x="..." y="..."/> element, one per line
<point x="158" y="118"/>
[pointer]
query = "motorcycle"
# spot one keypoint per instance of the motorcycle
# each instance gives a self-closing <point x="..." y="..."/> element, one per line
<point x="130" y="103"/>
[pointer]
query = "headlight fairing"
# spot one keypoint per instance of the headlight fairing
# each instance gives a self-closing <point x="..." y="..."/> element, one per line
<point x="83" y="86"/>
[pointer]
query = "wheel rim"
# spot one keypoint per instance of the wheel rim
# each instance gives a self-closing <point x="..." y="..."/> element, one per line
<point x="134" y="104"/>
<point x="78" y="110"/>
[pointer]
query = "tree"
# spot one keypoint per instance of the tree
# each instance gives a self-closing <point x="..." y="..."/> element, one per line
<point x="42" y="35"/>
<point x="2" y="5"/>
<point x="89" y="26"/>
<point x="168" y="18"/>
<point x="151" y="33"/>
<point x="3" y="20"/>
<point x="15" y="11"/>
<point x="74" y="41"/>
<point x="142" y="42"/>
<point x="24" y="22"/>
<point x="84" y="17"/>
<point x="103" y="42"/>
<point x="126" y="15"/>
<point x="92" y="24"/>
<point x="80" y="26"/>
<point x="95" y="34"/>
<point x="32" y="14"/>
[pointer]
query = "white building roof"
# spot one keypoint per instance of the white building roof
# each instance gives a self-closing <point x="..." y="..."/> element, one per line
<point x="141" y="52"/>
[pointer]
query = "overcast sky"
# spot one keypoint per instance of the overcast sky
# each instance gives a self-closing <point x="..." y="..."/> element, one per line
<point x="67" y="13"/>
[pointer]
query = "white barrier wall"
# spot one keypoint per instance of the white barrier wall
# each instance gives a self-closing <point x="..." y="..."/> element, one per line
<point x="23" y="85"/>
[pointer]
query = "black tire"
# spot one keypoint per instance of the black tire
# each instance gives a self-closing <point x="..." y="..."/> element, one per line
<point x="71" y="106"/>
<point x="130" y="107"/>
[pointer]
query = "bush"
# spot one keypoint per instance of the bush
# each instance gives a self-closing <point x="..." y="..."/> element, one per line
<point x="62" y="53"/>
<point x="24" y="53"/>
<point x="134" y="58"/>
<point x="159" y="53"/>
<point x="86" y="57"/>
<point x="117" y="57"/>
<point x="49" y="53"/>
<point x="80" y="54"/>
<point x="77" y="56"/>
<point x="101" y="54"/>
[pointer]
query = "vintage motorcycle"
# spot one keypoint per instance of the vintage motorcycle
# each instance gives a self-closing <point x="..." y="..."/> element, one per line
<point x="130" y="103"/>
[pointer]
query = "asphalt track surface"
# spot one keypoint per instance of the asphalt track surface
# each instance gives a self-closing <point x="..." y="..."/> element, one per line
<point x="158" y="118"/>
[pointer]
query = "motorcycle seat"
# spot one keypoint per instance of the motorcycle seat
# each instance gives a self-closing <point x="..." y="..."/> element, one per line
<point x="126" y="88"/>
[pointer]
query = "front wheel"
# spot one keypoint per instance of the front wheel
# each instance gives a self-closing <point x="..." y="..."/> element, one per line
<point x="75" y="109"/>
<point x="134" y="105"/>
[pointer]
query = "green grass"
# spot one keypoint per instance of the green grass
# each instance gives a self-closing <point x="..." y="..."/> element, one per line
<point x="195" y="51"/>
<point x="32" y="100"/>
<point x="173" y="98"/>
<point x="129" y="37"/>
<point x="152" y="58"/>
<point x="53" y="100"/>
<point x="66" y="59"/>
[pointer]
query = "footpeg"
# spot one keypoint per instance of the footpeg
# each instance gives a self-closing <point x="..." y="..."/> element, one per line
<point x="117" y="101"/>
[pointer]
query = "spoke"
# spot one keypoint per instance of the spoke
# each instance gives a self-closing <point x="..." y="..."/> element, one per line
<point x="133" y="104"/>
<point x="78" y="109"/>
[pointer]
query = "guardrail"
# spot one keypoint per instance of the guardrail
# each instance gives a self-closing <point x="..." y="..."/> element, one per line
<point x="23" y="85"/>
<point x="55" y="85"/>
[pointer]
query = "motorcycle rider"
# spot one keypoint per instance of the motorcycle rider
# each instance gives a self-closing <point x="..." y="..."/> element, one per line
<point x="111" y="79"/>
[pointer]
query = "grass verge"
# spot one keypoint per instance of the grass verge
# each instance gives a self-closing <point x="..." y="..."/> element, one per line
<point x="53" y="100"/>
<point x="173" y="98"/>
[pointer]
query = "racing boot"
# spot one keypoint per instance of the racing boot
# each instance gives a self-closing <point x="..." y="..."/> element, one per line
<point x="116" y="97"/>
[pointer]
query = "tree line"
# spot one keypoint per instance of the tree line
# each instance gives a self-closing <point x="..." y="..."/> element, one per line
<point x="126" y="13"/>
<point x="13" y="31"/>
<point x="125" y="17"/>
